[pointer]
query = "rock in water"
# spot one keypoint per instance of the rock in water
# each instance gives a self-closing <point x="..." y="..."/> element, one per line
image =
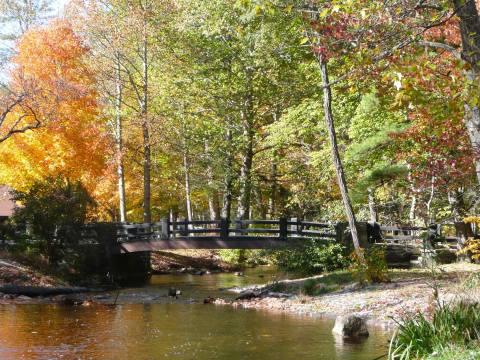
<point x="247" y="295"/>
<point x="350" y="326"/>
<point x="172" y="292"/>
<point x="209" y="300"/>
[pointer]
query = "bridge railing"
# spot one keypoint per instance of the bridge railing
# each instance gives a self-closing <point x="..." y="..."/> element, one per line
<point x="252" y="234"/>
<point x="281" y="229"/>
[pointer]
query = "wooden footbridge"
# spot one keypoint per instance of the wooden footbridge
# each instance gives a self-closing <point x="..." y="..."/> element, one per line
<point x="123" y="248"/>
<point x="122" y="238"/>
<point x="215" y="234"/>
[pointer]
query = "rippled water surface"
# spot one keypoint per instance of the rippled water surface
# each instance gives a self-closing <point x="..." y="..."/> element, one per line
<point x="174" y="331"/>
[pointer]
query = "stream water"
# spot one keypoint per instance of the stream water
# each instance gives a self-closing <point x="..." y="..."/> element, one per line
<point x="176" y="329"/>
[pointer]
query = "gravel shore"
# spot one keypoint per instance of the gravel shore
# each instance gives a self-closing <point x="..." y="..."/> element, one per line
<point x="409" y="292"/>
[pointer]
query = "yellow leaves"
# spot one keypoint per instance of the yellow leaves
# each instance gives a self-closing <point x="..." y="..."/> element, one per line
<point x="472" y="220"/>
<point x="72" y="142"/>
<point x="471" y="247"/>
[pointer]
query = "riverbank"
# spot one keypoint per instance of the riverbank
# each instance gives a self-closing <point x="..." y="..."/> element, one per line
<point x="13" y="272"/>
<point x="409" y="292"/>
<point x="25" y="280"/>
<point x="203" y="280"/>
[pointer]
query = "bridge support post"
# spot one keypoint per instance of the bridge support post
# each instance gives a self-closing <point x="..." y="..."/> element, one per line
<point x="165" y="231"/>
<point x="283" y="231"/>
<point x="183" y="228"/>
<point x="294" y="227"/>
<point x="238" y="226"/>
<point x="344" y="235"/>
<point x="224" y="228"/>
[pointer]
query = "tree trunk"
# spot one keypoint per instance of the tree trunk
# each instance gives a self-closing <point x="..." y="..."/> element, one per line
<point x="372" y="207"/>
<point x="147" y="215"/>
<point x="186" y="166"/>
<point x="273" y="190"/>
<point x="245" y="180"/>
<point x="430" y="215"/>
<point x="413" y="208"/>
<point x="413" y="203"/>
<point x="452" y="197"/>
<point x="470" y="34"/>
<point x="119" y="142"/>
<point x="228" y="178"/>
<point x="342" y="184"/>
<point x="243" y="209"/>
<point x="212" y="193"/>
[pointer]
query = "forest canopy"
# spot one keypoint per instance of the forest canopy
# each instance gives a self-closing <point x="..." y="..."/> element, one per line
<point x="209" y="109"/>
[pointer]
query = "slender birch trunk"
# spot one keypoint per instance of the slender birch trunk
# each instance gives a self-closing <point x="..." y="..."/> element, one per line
<point x="212" y="193"/>
<point x="119" y="141"/>
<point x="273" y="190"/>
<point x="228" y="178"/>
<point x="430" y="216"/>
<point x="147" y="214"/>
<point x="186" y="167"/>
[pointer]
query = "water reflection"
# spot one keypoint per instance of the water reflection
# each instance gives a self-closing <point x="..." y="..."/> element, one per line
<point x="173" y="331"/>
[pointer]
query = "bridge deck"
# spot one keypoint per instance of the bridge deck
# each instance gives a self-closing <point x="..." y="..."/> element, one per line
<point x="209" y="242"/>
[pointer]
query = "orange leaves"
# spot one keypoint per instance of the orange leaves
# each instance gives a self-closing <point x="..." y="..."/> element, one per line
<point x="73" y="140"/>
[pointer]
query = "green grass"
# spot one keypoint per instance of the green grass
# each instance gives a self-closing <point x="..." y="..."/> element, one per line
<point x="471" y="352"/>
<point x="451" y="326"/>
<point x="472" y="281"/>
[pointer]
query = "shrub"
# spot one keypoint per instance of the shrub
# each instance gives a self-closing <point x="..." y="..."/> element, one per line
<point x="315" y="257"/>
<point x="7" y="231"/>
<point x="417" y="337"/>
<point x="244" y="257"/>
<point x="471" y="249"/>
<point x="55" y="211"/>
<point x="313" y="288"/>
<point x="374" y="269"/>
<point x="445" y="256"/>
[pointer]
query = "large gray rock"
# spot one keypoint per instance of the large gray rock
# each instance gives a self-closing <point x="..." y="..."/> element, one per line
<point x="350" y="326"/>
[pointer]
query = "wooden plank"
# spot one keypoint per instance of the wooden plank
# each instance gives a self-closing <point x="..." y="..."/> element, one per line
<point x="315" y="224"/>
<point x="257" y="222"/>
<point x="196" y="222"/>
<point x="197" y="231"/>
<point x="208" y="243"/>
<point x="255" y="231"/>
<point x="400" y="237"/>
<point x="313" y="233"/>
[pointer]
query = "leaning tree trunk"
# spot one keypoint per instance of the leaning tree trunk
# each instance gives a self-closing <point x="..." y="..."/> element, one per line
<point x="342" y="184"/>
<point x="119" y="142"/>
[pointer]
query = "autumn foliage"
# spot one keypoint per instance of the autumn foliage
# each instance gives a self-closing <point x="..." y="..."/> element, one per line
<point x="73" y="142"/>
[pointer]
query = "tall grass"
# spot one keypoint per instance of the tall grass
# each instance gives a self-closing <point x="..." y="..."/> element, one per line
<point x="451" y="325"/>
